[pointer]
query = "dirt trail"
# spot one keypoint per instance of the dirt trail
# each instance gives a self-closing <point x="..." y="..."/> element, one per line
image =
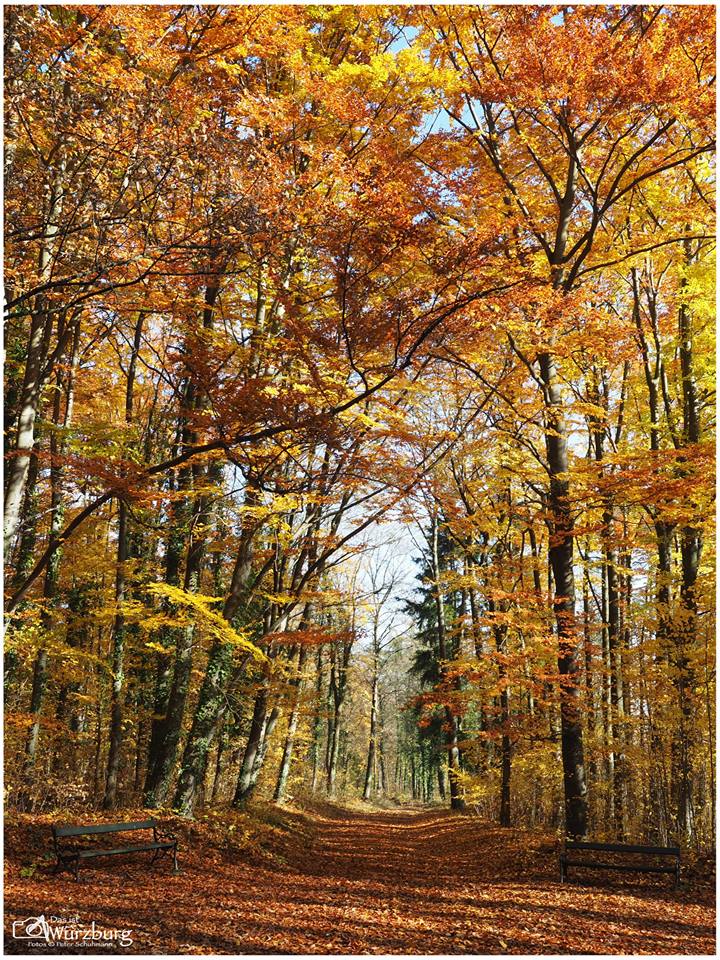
<point x="414" y="882"/>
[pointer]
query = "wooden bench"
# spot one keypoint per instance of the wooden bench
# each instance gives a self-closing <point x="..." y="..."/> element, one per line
<point x="622" y="849"/>
<point x="69" y="856"/>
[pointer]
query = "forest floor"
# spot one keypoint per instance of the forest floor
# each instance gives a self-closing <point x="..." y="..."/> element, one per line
<point x="335" y="881"/>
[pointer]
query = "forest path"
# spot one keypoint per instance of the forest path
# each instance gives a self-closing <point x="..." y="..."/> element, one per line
<point x="413" y="881"/>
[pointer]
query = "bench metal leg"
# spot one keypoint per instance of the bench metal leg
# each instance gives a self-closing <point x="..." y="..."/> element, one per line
<point x="176" y="871"/>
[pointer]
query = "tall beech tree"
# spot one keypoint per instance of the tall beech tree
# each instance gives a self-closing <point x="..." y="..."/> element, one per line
<point x="565" y="160"/>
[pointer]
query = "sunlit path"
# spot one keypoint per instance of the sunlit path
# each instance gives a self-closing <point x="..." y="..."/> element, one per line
<point x="416" y="881"/>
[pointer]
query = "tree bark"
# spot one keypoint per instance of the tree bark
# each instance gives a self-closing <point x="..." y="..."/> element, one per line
<point x="611" y="621"/>
<point x="41" y="324"/>
<point x="57" y="511"/>
<point x="119" y="627"/>
<point x="252" y="748"/>
<point x="457" y="801"/>
<point x="118" y="665"/>
<point x="288" y="747"/>
<point x="690" y="552"/>
<point x="371" y="765"/>
<point x="560" y="557"/>
<point x="191" y="524"/>
<point x="217" y="676"/>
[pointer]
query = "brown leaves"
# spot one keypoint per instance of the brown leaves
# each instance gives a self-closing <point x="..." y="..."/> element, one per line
<point x="405" y="882"/>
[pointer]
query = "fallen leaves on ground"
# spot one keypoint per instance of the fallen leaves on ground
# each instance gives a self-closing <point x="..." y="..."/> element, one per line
<point x="345" y="882"/>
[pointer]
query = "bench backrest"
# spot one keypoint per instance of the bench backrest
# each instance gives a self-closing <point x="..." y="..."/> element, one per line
<point x="94" y="828"/>
<point x="622" y="848"/>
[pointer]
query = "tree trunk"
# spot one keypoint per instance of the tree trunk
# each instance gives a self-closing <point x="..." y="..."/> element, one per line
<point x="442" y="790"/>
<point x="506" y="756"/>
<point x="118" y="667"/>
<point x="57" y="512"/>
<point x="252" y="748"/>
<point x="119" y="627"/>
<point x="188" y="525"/>
<point x="611" y="621"/>
<point x="286" y="760"/>
<point x="370" y="768"/>
<point x="340" y="658"/>
<point x="219" y="767"/>
<point x="212" y="700"/>
<point x="317" y="723"/>
<point x="457" y="801"/>
<point x="334" y="747"/>
<point x="690" y="552"/>
<point x="41" y="324"/>
<point x="268" y="728"/>
<point x="569" y="641"/>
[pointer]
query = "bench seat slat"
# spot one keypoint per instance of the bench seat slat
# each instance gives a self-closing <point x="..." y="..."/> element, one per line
<point x="96" y="828"/>
<point x="622" y="848"/>
<point x="84" y="854"/>
<point x="630" y="867"/>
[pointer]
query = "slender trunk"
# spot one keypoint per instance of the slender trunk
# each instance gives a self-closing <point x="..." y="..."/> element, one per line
<point x="252" y="748"/>
<point x="163" y="680"/>
<point x="690" y="552"/>
<point x="23" y="555"/>
<point x="588" y="651"/>
<point x="219" y="767"/>
<point x="140" y="753"/>
<point x="562" y="533"/>
<point x="560" y="556"/>
<point x="119" y="626"/>
<point x="50" y="584"/>
<point x="338" y="688"/>
<point x="158" y="755"/>
<point x="506" y="743"/>
<point x="372" y="746"/>
<point x="611" y="620"/>
<point x="382" y="787"/>
<point x="317" y="723"/>
<point x="268" y="728"/>
<point x="457" y="801"/>
<point x="118" y="666"/>
<point x="41" y="323"/>
<point x="204" y="728"/>
<point x="334" y="747"/>
<point x="288" y="746"/>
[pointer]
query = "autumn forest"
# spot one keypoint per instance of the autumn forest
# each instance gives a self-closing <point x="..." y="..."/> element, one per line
<point x="359" y="427"/>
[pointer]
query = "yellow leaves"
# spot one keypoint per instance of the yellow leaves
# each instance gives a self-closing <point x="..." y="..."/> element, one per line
<point x="197" y="609"/>
<point x="281" y="599"/>
<point x="374" y="73"/>
<point x="29" y="633"/>
<point x="25" y="634"/>
<point x="416" y="68"/>
<point x="232" y="69"/>
<point x="157" y="647"/>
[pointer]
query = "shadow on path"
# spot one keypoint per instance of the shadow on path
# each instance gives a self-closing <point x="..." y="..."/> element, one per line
<point x="416" y="882"/>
